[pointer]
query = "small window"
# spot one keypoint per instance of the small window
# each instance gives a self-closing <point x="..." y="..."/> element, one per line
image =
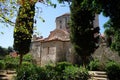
<point x="60" y="21"/>
<point x="60" y="27"/>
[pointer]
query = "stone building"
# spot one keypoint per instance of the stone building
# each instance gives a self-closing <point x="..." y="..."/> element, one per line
<point x="56" y="47"/>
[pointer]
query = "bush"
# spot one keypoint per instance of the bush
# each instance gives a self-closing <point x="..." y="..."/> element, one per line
<point x="2" y="64"/>
<point x="10" y="62"/>
<point x="26" y="63"/>
<point x="31" y="72"/>
<point x="13" y="62"/>
<point x="60" y="71"/>
<point x="75" y="73"/>
<point x="56" y="72"/>
<point x="27" y="58"/>
<point x="113" y="70"/>
<point x="94" y="65"/>
<point x="61" y="66"/>
<point x="66" y="71"/>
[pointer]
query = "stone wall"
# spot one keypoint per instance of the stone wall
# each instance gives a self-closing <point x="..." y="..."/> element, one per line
<point x="104" y="53"/>
<point x="35" y="49"/>
<point x="48" y="52"/>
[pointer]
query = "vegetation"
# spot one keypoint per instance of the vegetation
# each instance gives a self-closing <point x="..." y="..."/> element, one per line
<point x="31" y="72"/>
<point x="75" y="73"/>
<point x="10" y="62"/>
<point x="82" y="35"/>
<point x="62" y="71"/>
<point x="113" y="70"/>
<point x="8" y="10"/>
<point x="2" y="65"/>
<point x="5" y="51"/>
<point x="24" y="28"/>
<point x="82" y="38"/>
<point x="113" y="13"/>
<point x="94" y="65"/>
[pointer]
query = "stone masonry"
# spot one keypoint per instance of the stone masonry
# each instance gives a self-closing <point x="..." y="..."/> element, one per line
<point x="57" y="46"/>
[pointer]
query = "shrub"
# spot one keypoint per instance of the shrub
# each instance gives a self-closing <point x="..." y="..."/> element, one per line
<point x="94" y="65"/>
<point x="113" y="70"/>
<point x="31" y="72"/>
<point x="51" y="74"/>
<point x="75" y="73"/>
<point x="27" y="58"/>
<point x="66" y="71"/>
<point x="26" y="63"/>
<point x="13" y="62"/>
<point x="2" y="64"/>
<point x="61" y="66"/>
<point x="56" y="72"/>
<point x="10" y="62"/>
<point x="60" y="71"/>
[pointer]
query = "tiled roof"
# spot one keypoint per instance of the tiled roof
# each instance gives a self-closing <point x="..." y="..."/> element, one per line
<point x="66" y="14"/>
<point x="57" y="34"/>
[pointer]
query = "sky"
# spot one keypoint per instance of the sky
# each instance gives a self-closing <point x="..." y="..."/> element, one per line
<point x="49" y="14"/>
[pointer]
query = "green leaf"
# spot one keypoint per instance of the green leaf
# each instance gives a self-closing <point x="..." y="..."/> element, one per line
<point x="42" y="19"/>
<point x="15" y="30"/>
<point x="2" y="33"/>
<point x="55" y="5"/>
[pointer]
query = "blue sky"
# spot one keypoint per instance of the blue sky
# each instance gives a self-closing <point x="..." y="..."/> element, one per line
<point x="43" y="28"/>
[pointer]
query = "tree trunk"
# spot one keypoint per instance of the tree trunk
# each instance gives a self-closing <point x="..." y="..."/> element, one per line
<point x="21" y="59"/>
<point x="84" y="60"/>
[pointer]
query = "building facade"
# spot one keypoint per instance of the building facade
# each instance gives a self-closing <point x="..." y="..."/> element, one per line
<point x="57" y="46"/>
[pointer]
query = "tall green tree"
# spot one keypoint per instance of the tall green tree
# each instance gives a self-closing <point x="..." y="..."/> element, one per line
<point x="24" y="25"/>
<point x="82" y="33"/>
<point x="24" y="28"/>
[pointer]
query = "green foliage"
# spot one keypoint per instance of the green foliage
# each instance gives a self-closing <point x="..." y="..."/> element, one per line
<point x="94" y="65"/>
<point x="2" y="64"/>
<point x="3" y="51"/>
<point x="112" y="35"/>
<point x="51" y="74"/>
<point x="66" y="71"/>
<point x="24" y="28"/>
<point x="8" y="10"/>
<point x="60" y="71"/>
<point x="27" y="57"/>
<point x="10" y="49"/>
<point x="10" y="62"/>
<point x="61" y="66"/>
<point x="113" y="70"/>
<point x="25" y="63"/>
<point x="56" y="72"/>
<point x="81" y="25"/>
<point x="30" y="72"/>
<point x="114" y="23"/>
<point x="75" y="73"/>
<point x="116" y="42"/>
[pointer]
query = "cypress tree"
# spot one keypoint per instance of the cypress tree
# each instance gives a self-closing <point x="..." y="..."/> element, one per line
<point x="82" y="33"/>
<point x="24" y="28"/>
